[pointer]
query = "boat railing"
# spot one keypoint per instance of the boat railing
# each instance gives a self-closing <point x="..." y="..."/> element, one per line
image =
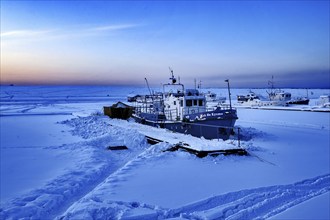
<point x="176" y="114"/>
<point x="143" y="109"/>
<point x="172" y="114"/>
<point x="222" y="107"/>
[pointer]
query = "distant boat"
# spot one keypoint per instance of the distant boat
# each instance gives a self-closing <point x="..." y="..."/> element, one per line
<point x="212" y="97"/>
<point x="277" y="96"/>
<point x="184" y="111"/>
<point x="249" y="97"/>
<point x="133" y="97"/>
<point x="298" y="101"/>
<point x="284" y="98"/>
<point x="324" y="101"/>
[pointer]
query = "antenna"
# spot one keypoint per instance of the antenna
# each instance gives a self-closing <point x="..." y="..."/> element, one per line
<point x="172" y="76"/>
<point x="148" y="86"/>
<point x="271" y="83"/>
<point x="199" y="86"/>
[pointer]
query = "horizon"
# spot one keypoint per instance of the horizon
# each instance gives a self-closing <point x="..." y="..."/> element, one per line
<point x="121" y="43"/>
<point x="224" y="86"/>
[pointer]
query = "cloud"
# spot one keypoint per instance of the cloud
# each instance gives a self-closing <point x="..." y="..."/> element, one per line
<point x="64" y="33"/>
<point x="114" y="27"/>
<point x="25" y="33"/>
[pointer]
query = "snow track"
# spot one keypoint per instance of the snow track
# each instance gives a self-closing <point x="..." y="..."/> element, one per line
<point x="258" y="203"/>
<point x="57" y="195"/>
<point x="94" y="206"/>
<point x="94" y="165"/>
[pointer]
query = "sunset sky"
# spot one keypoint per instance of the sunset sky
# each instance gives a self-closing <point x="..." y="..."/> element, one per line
<point x="122" y="42"/>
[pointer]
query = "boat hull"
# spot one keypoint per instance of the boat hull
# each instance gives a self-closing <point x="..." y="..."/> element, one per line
<point x="299" y="102"/>
<point x="208" y="128"/>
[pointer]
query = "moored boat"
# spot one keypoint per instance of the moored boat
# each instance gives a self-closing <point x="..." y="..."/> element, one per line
<point x="212" y="97"/>
<point x="278" y="96"/>
<point x="298" y="101"/>
<point x="184" y="111"/>
<point x="250" y="99"/>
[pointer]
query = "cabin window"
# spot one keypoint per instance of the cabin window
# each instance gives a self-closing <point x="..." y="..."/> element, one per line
<point x="200" y="102"/>
<point x="181" y="103"/>
<point x="174" y="102"/>
<point x="188" y="102"/>
<point x="195" y="102"/>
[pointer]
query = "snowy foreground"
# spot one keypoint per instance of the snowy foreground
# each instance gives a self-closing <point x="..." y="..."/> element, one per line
<point x="55" y="163"/>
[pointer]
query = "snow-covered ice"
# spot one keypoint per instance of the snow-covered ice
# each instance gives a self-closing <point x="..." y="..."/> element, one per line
<point x="55" y="163"/>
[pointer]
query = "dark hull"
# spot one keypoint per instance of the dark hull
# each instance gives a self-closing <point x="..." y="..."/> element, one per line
<point x="209" y="129"/>
<point x="299" y="102"/>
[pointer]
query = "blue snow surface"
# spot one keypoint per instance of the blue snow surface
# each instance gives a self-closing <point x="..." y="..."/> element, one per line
<point x="55" y="162"/>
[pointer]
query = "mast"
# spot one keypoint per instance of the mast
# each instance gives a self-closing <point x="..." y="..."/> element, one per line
<point x="148" y="86"/>
<point x="271" y="93"/>
<point x="227" y="81"/>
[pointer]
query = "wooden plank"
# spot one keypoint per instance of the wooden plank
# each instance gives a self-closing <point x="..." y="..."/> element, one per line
<point x="152" y="140"/>
<point x="117" y="147"/>
<point x="201" y="154"/>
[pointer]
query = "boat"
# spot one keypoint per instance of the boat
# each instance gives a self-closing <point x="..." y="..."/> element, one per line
<point x="184" y="111"/>
<point x="277" y="96"/>
<point x="298" y="101"/>
<point x="140" y="98"/>
<point x="212" y="97"/>
<point x="133" y="97"/>
<point x="324" y="101"/>
<point x="250" y="99"/>
<point x="280" y="96"/>
<point x="254" y="100"/>
<point x="284" y="98"/>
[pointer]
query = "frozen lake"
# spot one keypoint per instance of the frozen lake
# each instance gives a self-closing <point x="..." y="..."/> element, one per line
<point x="54" y="162"/>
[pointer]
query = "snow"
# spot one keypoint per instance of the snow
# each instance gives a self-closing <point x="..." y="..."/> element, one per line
<point x="175" y="138"/>
<point x="55" y="162"/>
<point x="306" y="210"/>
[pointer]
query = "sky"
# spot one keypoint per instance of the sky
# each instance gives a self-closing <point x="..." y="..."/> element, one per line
<point x="124" y="42"/>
